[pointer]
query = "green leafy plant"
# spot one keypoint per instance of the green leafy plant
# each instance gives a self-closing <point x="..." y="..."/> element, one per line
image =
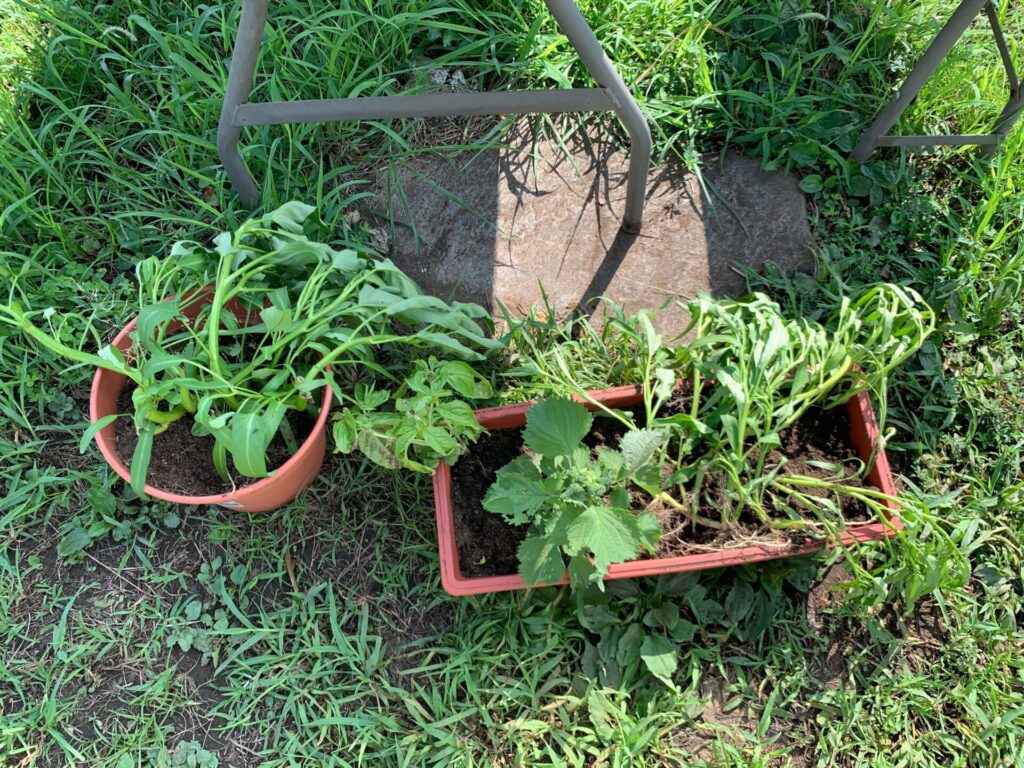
<point x="237" y="336"/>
<point x="426" y="422"/>
<point x="574" y="501"/>
<point x="754" y="372"/>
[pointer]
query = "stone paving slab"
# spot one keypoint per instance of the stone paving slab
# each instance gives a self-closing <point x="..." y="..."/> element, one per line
<point x="495" y="225"/>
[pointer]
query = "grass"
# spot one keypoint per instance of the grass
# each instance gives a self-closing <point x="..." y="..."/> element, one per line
<point x="318" y="634"/>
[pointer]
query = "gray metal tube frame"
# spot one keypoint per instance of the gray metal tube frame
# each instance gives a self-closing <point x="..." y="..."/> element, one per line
<point x="611" y="94"/>
<point x="877" y="133"/>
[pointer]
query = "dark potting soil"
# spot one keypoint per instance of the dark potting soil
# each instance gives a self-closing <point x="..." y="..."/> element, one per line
<point x="183" y="463"/>
<point x="487" y="545"/>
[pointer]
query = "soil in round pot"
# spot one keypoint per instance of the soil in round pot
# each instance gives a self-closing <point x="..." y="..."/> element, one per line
<point x="182" y="463"/>
<point x="487" y="545"/>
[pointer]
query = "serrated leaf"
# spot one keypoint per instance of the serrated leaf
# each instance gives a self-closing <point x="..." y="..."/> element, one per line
<point x="604" y="532"/>
<point x="540" y="560"/>
<point x="555" y="427"/>
<point x="639" y="446"/>
<point x="659" y="655"/>
<point x="518" y="492"/>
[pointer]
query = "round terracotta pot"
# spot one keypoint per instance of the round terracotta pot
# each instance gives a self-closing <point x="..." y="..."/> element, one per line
<point x="267" y="493"/>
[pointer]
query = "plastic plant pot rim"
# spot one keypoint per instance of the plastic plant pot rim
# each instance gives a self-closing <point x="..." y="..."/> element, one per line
<point x="237" y="499"/>
<point x="864" y="434"/>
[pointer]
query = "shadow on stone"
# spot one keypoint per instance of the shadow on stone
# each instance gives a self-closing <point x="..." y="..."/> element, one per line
<point x="496" y="224"/>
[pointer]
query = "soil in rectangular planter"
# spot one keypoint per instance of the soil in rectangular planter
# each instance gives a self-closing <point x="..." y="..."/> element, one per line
<point x="183" y="463"/>
<point x="487" y="545"/>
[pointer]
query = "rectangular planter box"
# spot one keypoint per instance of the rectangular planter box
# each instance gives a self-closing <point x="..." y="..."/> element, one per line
<point x="864" y="436"/>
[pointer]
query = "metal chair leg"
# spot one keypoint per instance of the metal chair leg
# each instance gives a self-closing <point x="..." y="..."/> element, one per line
<point x="877" y="133"/>
<point x="243" y="66"/>
<point x="612" y="94"/>
<point x="600" y="67"/>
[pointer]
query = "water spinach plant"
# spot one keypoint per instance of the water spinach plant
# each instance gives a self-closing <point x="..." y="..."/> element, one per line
<point x="237" y="335"/>
<point x="754" y="373"/>
<point x="748" y="374"/>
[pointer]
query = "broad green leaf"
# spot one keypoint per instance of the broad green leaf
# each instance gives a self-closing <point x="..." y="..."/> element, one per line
<point x="606" y="533"/>
<point x="151" y="317"/>
<point x="649" y="529"/>
<point x="628" y="652"/>
<point x="447" y="343"/>
<point x="102" y="501"/>
<point x="677" y="584"/>
<point x="648" y="477"/>
<point x="140" y="461"/>
<point x="345" y="432"/>
<point x="459" y="414"/>
<point x="277" y="320"/>
<point x="639" y="446"/>
<point x="683" y="631"/>
<point x="555" y="427"/>
<point x="581" y="573"/>
<point x="346" y="261"/>
<point x="651" y="336"/>
<point x="611" y="462"/>
<point x="732" y="384"/>
<point x="739" y="601"/>
<point x="667" y="616"/>
<point x="660" y="655"/>
<point x="251" y="433"/>
<point x="540" y="560"/>
<point x="377" y="450"/>
<point x="597" y="618"/>
<point x="464" y="380"/>
<point x="291" y="215"/>
<point x="812" y="184"/>
<point x="439" y="441"/>
<point x="73" y="541"/>
<point x="413" y="303"/>
<point x="114" y="356"/>
<point x="805" y="153"/>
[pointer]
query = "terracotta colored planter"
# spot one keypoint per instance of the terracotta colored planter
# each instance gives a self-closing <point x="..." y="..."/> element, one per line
<point x="267" y="493"/>
<point x="863" y="434"/>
